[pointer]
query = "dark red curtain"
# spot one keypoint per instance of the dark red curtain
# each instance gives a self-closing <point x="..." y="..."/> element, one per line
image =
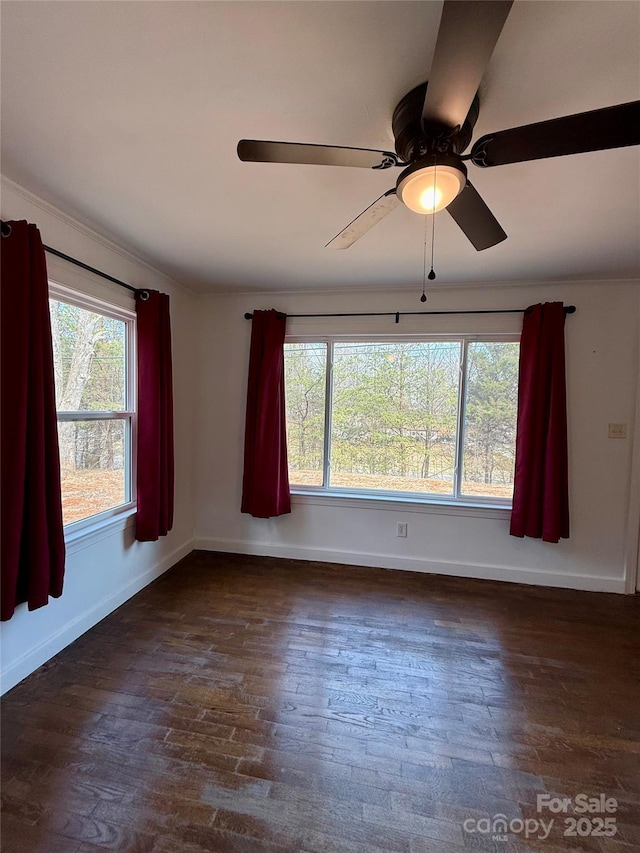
<point x="33" y="549"/>
<point x="154" y="515"/>
<point x="541" y="491"/>
<point x="265" y="487"/>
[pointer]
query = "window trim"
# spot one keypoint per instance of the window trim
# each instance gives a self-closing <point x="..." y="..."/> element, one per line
<point x="482" y="505"/>
<point x="399" y="502"/>
<point x="93" y="524"/>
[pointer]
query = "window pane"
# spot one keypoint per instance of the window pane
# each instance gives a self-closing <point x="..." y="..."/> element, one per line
<point x="89" y="358"/>
<point x="93" y="463"/>
<point x="490" y="427"/>
<point x="394" y="416"/>
<point x="305" y="377"/>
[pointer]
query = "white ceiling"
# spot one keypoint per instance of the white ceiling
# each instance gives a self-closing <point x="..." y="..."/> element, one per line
<point x="127" y="115"/>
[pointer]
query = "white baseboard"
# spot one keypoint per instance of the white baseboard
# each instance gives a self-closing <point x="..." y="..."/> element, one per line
<point x="536" y="577"/>
<point x="26" y="664"/>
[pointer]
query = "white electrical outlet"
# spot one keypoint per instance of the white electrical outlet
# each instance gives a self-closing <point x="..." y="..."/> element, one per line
<point x="402" y="529"/>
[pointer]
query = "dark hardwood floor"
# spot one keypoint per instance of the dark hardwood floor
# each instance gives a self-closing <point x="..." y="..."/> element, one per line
<point x="267" y="706"/>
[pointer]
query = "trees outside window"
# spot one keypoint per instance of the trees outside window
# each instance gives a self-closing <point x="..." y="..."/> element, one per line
<point x="305" y="383"/>
<point x="490" y="417"/>
<point x="426" y="417"/>
<point x="92" y="350"/>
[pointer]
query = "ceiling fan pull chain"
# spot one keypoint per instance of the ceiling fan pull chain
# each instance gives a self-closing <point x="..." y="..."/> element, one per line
<point x="423" y="298"/>
<point x="432" y="275"/>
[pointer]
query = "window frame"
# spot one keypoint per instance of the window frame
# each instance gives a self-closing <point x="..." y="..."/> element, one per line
<point x="455" y="500"/>
<point x="70" y="296"/>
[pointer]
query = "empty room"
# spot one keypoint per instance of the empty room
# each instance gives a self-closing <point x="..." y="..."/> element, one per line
<point x="320" y="426"/>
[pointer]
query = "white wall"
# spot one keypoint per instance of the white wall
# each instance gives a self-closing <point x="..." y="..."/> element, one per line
<point x="602" y="364"/>
<point x="109" y="567"/>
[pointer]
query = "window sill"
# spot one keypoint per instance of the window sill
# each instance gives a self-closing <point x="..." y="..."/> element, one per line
<point x="92" y="533"/>
<point x="401" y="504"/>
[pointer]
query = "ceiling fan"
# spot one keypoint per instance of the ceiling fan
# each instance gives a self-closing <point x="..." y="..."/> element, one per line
<point x="433" y="125"/>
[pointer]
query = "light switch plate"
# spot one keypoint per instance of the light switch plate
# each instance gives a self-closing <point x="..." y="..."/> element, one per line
<point x="617" y="430"/>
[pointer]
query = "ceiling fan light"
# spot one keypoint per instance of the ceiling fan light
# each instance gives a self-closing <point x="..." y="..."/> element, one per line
<point x="427" y="187"/>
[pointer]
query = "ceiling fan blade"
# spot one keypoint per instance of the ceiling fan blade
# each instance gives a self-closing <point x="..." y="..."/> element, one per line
<point x="365" y="221"/>
<point x="469" y="30"/>
<point x="260" y="151"/>
<point x="475" y="219"/>
<point x="597" y="130"/>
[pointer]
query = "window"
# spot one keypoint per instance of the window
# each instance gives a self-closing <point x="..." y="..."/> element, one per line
<point x="432" y="419"/>
<point x="94" y="378"/>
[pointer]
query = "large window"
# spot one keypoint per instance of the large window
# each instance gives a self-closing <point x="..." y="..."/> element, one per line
<point x="430" y="418"/>
<point x="93" y="364"/>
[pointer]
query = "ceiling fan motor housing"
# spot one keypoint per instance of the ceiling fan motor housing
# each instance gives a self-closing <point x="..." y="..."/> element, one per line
<point x="414" y="141"/>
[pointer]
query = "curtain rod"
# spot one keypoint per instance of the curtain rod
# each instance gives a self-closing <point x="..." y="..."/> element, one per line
<point x="569" y="309"/>
<point x="5" y="229"/>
